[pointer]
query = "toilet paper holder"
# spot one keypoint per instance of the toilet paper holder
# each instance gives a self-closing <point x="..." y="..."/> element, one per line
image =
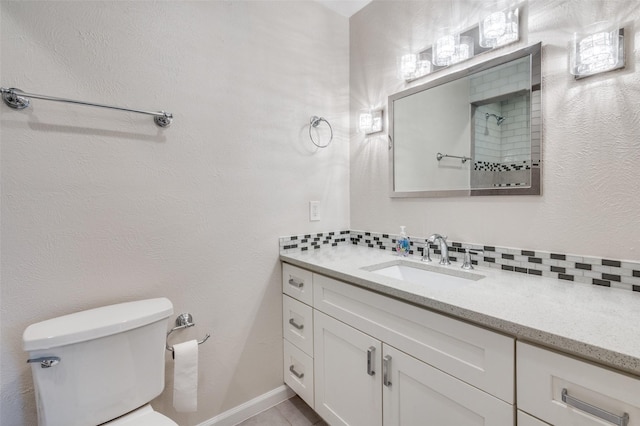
<point x="183" y="321"/>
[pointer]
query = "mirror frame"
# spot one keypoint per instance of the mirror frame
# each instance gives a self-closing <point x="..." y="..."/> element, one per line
<point x="534" y="52"/>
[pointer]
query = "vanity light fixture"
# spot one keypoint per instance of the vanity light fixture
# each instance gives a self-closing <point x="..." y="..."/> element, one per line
<point x="370" y="121"/>
<point x="464" y="50"/>
<point x="499" y="28"/>
<point x="414" y="65"/>
<point x="450" y="49"/>
<point x="598" y="49"/>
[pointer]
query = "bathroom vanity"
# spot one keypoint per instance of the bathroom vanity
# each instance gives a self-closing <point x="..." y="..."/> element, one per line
<point x="500" y="348"/>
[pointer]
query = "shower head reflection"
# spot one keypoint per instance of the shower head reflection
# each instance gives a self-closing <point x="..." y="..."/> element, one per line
<point x="499" y="118"/>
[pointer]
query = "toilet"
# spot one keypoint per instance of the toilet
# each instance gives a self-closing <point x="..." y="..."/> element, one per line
<point x="101" y="366"/>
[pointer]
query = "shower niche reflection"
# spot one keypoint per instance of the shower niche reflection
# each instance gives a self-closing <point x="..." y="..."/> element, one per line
<point x="474" y="132"/>
<point x="501" y="126"/>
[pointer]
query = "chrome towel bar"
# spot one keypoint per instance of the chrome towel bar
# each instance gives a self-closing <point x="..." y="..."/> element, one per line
<point x="17" y="99"/>
<point x="184" y="321"/>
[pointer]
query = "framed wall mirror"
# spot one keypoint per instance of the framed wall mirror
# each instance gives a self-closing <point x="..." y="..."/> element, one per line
<point x="473" y="132"/>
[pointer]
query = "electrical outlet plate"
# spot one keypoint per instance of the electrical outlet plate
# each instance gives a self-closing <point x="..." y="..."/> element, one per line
<point x="314" y="211"/>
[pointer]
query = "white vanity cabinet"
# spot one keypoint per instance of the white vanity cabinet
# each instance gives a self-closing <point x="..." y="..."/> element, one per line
<point x="361" y="381"/>
<point x="380" y="361"/>
<point x="297" y="330"/>
<point x="477" y="356"/>
<point x="562" y="390"/>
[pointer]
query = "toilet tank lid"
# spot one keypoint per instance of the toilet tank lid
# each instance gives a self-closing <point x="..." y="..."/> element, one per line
<point x="95" y="323"/>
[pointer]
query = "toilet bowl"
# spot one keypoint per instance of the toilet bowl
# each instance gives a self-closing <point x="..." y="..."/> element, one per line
<point x="101" y="366"/>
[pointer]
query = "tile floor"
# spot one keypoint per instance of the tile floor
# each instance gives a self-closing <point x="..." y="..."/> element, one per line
<point x="292" y="412"/>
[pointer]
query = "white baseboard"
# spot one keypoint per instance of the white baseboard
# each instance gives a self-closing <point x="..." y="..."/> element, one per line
<point x="250" y="408"/>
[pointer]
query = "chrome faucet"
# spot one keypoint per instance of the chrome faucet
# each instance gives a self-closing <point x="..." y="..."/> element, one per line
<point x="444" y="250"/>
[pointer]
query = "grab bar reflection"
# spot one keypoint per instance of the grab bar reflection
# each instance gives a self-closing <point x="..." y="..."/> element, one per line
<point x="440" y="156"/>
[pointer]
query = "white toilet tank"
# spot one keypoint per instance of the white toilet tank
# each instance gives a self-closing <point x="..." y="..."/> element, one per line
<point x="111" y="361"/>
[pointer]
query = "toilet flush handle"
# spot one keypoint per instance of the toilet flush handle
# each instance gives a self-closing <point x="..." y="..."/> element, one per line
<point x="45" y="361"/>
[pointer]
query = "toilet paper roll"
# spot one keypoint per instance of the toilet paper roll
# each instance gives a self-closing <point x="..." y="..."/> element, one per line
<point x="185" y="377"/>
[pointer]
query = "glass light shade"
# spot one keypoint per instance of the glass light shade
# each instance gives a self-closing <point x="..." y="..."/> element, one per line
<point x="451" y="48"/>
<point x="423" y="65"/>
<point x="445" y="47"/>
<point x="499" y="28"/>
<point x="463" y="50"/>
<point x="407" y="66"/>
<point x="597" y="51"/>
<point x="414" y="65"/>
<point x="365" y="121"/>
<point x="370" y="121"/>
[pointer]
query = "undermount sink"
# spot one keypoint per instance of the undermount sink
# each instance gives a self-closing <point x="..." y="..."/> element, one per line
<point x="435" y="277"/>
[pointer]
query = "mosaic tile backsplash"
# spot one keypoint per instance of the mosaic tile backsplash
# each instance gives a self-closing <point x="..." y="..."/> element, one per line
<point x="587" y="270"/>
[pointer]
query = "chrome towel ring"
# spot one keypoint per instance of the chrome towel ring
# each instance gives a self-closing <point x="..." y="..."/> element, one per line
<point x="314" y="122"/>
<point x="184" y="321"/>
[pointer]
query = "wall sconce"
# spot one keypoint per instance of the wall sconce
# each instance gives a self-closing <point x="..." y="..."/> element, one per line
<point x="451" y="48"/>
<point x="599" y="48"/>
<point x="499" y="28"/>
<point x="370" y="121"/>
<point x="414" y="65"/>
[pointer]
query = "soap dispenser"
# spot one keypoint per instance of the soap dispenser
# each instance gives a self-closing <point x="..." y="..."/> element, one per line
<point x="403" y="244"/>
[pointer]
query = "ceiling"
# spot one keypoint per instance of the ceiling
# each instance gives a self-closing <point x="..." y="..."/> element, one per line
<point x="345" y="7"/>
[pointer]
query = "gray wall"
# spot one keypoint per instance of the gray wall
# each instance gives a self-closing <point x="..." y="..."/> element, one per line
<point x="590" y="151"/>
<point x="100" y="206"/>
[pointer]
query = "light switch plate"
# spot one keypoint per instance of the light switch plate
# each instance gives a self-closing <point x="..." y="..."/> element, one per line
<point x="314" y="211"/>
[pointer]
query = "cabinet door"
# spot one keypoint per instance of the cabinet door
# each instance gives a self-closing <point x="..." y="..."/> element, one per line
<point x="416" y="393"/>
<point x="347" y="374"/>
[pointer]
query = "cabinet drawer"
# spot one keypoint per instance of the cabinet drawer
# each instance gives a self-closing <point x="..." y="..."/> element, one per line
<point x="477" y="356"/>
<point x="544" y="375"/>
<point x="298" y="372"/>
<point x="297" y="324"/>
<point x="297" y="283"/>
<point x="526" y="420"/>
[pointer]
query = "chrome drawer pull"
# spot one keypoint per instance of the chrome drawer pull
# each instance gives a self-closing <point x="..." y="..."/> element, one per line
<point x="386" y="366"/>
<point x="592" y="409"/>
<point x="295" y="373"/>
<point x="298" y="284"/>
<point x="370" y="354"/>
<point x="295" y="324"/>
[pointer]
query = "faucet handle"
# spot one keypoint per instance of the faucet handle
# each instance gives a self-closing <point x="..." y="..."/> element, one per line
<point x="467" y="264"/>
<point x="426" y="257"/>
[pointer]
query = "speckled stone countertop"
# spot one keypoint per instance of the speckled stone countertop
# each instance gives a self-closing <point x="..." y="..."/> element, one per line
<point x="592" y="322"/>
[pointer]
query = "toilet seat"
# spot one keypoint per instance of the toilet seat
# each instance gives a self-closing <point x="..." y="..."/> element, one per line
<point x="143" y="416"/>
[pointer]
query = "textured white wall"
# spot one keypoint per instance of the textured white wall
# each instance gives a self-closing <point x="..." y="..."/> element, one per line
<point x="100" y="206"/>
<point x="591" y="148"/>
